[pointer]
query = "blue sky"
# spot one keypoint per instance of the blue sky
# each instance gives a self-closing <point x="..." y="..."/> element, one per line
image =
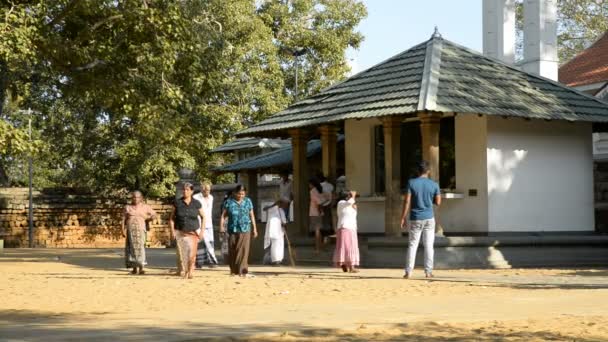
<point x="393" y="26"/>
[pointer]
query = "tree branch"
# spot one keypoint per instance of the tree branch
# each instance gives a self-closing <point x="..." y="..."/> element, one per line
<point x="103" y="21"/>
<point x="90" y="65"/>
<point x="63" y="13"/>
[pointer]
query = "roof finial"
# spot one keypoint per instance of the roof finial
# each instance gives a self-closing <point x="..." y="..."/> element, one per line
<point x="436" y="34"/>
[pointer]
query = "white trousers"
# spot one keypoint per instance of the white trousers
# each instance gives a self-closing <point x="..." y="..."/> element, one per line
<point x="426" y="229"/>
<point x="275" y="252"/>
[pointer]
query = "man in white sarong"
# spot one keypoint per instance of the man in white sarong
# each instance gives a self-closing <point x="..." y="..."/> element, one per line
<point x="206" y="250"/>
<point x="274" y="237"/>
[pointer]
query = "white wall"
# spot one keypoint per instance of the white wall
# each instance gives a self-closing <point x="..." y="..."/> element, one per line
<point x="498" y="22"/>
<point x="358" y="149"/>
<point x="468" y="214"/>
<point x="540" y="175"/>
<point x="359" y="169"/>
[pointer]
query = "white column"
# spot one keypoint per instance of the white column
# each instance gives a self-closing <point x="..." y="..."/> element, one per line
<point x="499" y="29"/>
<point x="540" y="38"/>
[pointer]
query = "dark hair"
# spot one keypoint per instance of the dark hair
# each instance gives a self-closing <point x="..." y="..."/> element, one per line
<point x="188" y="185"/>
<point x="344" y="195"/>
<point x="316" y="184"/>
<point x="423" y="167"/>
<point x="321" y="177"/>
<point x="239" y="188"/>
<point x="227" y="195"/>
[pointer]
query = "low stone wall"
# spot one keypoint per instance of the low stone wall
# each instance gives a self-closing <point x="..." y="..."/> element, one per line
<point x="72" y="221"/>
<point x="66" y="220"/>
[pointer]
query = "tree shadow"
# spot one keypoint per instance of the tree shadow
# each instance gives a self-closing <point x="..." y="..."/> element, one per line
<point x="590" y="273"/>
<point x="524" y="285"/>
<point x="35" y="326"/>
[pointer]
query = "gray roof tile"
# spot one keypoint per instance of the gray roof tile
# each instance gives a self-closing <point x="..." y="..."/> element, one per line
<point x="438" y="75"/>
<point x="250" y="143"/>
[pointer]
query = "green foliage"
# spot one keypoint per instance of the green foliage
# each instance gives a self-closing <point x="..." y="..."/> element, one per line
<point x="580" y="23"/>
<point x="128" y="92"/>
<point x="321" y="30"/>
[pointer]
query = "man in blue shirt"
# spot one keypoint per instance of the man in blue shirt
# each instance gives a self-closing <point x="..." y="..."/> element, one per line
<point x="422" y="193"/>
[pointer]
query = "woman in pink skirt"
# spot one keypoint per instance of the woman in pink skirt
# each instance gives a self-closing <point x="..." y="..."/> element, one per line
<point x="346" y="254"/>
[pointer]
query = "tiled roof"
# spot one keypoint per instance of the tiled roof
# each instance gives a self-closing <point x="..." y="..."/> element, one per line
<point x="602" y="94"/>
<point x="588" y="67"/>
<point x="281" y="158"/>
<point x="250" y="143"/>
<point x="438" y="76"/>
<point x="274" y="159"/>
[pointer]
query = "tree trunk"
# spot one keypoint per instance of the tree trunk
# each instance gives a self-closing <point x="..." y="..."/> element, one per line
<point x="4" y="181"/>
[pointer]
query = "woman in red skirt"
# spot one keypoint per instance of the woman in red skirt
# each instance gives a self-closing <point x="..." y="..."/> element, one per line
<point x="346" y="254"/>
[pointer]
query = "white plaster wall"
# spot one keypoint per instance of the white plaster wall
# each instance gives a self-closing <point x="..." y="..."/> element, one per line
<point x="468" y="214"/>
<point x="370" y="214"/>
<point x="540" y="176"/>
<point x="359" y="169"/>
<point x="358" y="149"/>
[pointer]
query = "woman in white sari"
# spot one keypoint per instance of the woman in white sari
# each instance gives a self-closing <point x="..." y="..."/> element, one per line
<point x="274" y="237"/>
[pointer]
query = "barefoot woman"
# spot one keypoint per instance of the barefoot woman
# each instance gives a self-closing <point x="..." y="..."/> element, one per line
<point x="134" y="229"/>
<point x="184" y="223"/>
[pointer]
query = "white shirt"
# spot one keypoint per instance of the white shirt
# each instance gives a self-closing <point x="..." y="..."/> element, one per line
<point x="327" y="187"/>
<point x="347" y="214"/>
<point x="285" y="190"/>
<point x="207" y="205"/>
<point x="328" y="190"/>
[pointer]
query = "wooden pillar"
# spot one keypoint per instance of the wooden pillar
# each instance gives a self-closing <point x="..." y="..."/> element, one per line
<point x="429" y="127"/>
<point x="299" y="144"/>
<point x="250" y="180"/>
<point x="329" y="146"/>
<point x="392" y="160"/>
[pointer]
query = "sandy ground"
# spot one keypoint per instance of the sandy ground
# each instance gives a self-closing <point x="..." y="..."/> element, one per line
<point x="74" y="295"/>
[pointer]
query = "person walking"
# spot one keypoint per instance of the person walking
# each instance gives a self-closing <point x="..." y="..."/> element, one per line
<point x="184" y="223"/>
<point x="238" y="211"/>
<point x="134" y="230"/>
<point x="274" y="236"/>
<point x="285" y="192"/>
<point x="346" y="254"/>
<point x="326" y="206"/>
<point x="205" y="254"/>
<point x="422" y="193"/>
<point x="315" y="213"/>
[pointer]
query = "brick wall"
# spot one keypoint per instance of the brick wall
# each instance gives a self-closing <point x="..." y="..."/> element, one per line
<point x="72" y="221"/>
<point x="65" y="220"/>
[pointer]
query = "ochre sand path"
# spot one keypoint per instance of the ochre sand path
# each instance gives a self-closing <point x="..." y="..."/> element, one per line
<point x="58" y="295"/>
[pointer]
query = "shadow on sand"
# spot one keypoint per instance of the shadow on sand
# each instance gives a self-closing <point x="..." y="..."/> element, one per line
<point x="36" y="326"/>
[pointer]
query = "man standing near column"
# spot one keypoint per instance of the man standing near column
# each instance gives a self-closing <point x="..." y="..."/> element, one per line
<point x="286" y="194"/>
<point x="422" y="193"/>
<point x="328" y="195"/>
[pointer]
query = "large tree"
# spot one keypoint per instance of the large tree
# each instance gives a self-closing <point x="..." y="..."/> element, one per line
<point x="127" y="92"/>
<point x="315" y="34"/>
<point x="580" y="23"/>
